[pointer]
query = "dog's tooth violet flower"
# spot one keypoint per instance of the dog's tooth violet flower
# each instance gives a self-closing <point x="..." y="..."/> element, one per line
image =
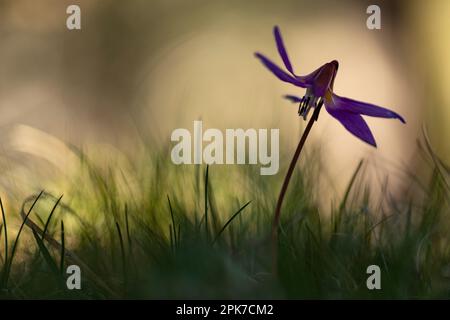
<point x="319" y="91"/>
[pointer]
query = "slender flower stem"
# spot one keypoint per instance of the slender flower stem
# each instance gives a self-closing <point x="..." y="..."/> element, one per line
<point x="286" y="181"/>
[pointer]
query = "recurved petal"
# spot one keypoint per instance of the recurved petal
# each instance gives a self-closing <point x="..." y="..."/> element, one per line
<point x="359" y="107"/>
<point x="353" y="123"/>
<point x="280" y="74"/>
<point x="282" y="49"/>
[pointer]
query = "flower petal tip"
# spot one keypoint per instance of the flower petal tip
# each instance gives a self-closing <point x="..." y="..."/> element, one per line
<point x="399" y="117"/>
<point x="395" y="115"/>
<point x="370" y="140"/>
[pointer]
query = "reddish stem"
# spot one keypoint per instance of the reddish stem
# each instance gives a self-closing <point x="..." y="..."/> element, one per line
<point x="287" y="178"/>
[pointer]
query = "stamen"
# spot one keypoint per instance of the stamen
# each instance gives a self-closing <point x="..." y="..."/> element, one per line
<point x="307" y="103"/>
<point x="300" y="106"/>
<point x="305" y="115"/>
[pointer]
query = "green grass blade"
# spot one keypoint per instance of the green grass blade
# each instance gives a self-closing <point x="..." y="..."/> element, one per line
<point x="127" y="226"/>
<point x="46" y="254"/>
<point x="337" y="217"/>
<point x="230" y="220"/>
<point x="63" y="249"/>
<point x="47" y="223"/>
<point x="13" y="250"/>
<point x="171" y="237"/>
<point x="122" y="250"/>
<point x="5" y="264"/>
<point x="173" y="222"/>
<point x="350" y="185"/>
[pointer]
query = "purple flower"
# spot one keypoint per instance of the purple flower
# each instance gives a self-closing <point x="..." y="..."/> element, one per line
<point x="319" y="91"/>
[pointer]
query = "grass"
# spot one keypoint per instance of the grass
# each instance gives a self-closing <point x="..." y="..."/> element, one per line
<point x="162" y="231"/>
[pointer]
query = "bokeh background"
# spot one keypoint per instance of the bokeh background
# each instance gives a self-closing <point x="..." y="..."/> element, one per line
<point x="139" y="69"/>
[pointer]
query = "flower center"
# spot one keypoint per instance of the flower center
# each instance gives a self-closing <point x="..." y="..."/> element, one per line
<point x="309" y="101"/>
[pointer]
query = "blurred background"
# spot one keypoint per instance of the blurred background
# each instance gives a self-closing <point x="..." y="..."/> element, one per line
<point x="139" y="69"/>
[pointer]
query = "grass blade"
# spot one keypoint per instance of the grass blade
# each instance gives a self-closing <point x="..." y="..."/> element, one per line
<point x="230" y="220"/>
<point x="350" y="185"/>
<point x="171" y="237"/>
<point x="2" y="283"/>
<point x="63" y="249"/>
<point x="127" y="227"/>
<point x="47" y="223"/>
<point x="13" y="250"/>
<point x="46" y="254"/>
<point x="122" y="250"/>
<point x="173" y="230"/>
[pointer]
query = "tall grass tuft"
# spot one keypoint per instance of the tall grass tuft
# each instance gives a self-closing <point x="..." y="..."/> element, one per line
<point x="164" y="231"/>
